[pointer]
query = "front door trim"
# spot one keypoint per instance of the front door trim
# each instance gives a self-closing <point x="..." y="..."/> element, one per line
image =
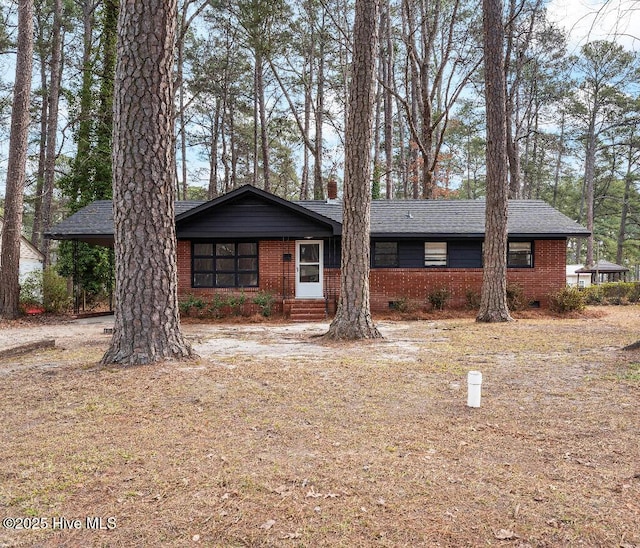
<point x="309" y="269"/>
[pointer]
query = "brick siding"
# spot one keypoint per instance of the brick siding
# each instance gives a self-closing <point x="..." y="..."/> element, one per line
<point x="391" y="284"/>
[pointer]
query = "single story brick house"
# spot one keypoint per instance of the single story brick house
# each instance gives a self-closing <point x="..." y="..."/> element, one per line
<point x="249" y="240"/>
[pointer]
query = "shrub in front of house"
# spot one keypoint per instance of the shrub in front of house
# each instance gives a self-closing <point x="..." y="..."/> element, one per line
<point x="191" y="305"/>
<point x="472" y="299"/>
<point x="438" y="298"/>
<point x="569" y="299"/>
<point x="236" y="303"/>
<point x="403" y="305"/>
<point x="225" y="305"/>
<point x="264" y="300"/>
<point x="515" y="297"/>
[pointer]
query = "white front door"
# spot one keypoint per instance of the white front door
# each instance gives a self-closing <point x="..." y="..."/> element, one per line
<point x="309" y="269"/>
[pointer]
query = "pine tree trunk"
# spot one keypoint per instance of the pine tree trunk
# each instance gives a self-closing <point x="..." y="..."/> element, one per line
<point x="147" y="323"/>
<point x="18" y="142"/>
<point x="589" y="182"/>
<point x="102" y="187"/>
<point x="52" y="125"/>
<point x="318" y="186"/>
<point x="353" y="317"/>
<point x="628" y="181"/>
<point x="493" y="302"/>
<point x="42" y="47"/>
<point x="262" y="112"/>
<point x="387" y="75"/>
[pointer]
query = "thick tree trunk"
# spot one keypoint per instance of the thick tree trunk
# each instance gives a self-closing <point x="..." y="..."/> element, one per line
<point x="18" y="143"/>
<point x="147" y="323"/>
<point x="493" y="302"/>
<point x="353" y="317"/>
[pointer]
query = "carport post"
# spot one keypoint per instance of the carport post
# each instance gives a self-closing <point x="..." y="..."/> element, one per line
<point x="76" y="297"/>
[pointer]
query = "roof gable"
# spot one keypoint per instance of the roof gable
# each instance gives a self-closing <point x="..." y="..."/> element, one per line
<point x="27" y="249"/>
<point x="248" y="213"/>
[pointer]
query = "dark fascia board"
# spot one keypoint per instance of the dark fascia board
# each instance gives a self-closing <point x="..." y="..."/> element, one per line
<point x="324" y="233"/>
<point x="470" y="236"/>
<point x="106" y="240"/>
<point x="427" y="236"/>
<point x="251" y="190"/>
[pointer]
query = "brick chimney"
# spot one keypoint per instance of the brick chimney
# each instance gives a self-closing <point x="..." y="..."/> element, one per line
<point x="332" y="189"/>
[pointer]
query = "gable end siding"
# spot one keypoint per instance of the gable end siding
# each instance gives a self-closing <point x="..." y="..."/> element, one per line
<point x="249" y="218"/>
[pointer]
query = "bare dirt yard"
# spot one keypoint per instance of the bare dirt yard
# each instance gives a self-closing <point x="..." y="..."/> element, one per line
<point x="272" y="437"/>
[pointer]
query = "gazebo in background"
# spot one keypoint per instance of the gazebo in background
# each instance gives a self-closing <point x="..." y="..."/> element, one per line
<point x="604" y="271"/>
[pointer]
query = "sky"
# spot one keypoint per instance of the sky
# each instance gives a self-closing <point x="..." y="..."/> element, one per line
<point x="588" y="20"/>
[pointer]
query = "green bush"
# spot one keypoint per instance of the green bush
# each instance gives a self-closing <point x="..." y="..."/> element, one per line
<point x="31" y="290"/>
<point x="593" y="295"/>
<point x="634" y="293"/>
<point x="612" y="293"/>
<point x="569" y="299"/>
<point x="55" y="296"/>
<point x="215" y="308"/>
<point x="191" y="302"/>
<point x="615" y="293"/>
<point x="265" y="301"/>
<point x="438" y="298"/>
<point x="236" y="302"/>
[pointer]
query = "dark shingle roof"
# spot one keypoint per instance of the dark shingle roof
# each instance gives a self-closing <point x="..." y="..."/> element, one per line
<point x="463" y="218"/>
<point x="603" y="267"/>
<point x="389" y="218"/>
<point x="94" y="223"/>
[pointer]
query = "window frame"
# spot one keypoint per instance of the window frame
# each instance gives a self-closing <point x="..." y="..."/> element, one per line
<point x="376" y="255"/>
<point x="529" y="254"/>
<point x="444" y="258"/>
<point x="217" y="258"/>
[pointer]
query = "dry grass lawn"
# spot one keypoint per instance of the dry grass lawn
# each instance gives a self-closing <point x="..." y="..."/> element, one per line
<point x="274" y="438"/>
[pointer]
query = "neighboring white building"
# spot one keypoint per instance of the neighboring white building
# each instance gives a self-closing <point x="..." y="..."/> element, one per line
<point x="576" y="279"/>
<point x="30" y="258"/>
